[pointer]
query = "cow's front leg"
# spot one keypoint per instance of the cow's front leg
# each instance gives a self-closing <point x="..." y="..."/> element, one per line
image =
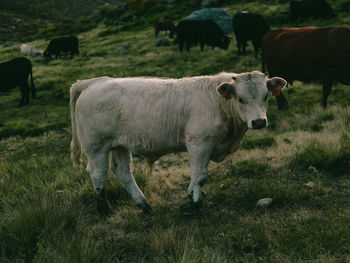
<point x="199" y="161"/>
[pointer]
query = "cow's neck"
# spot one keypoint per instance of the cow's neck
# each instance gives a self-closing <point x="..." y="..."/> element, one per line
<point x="237" y="128"/>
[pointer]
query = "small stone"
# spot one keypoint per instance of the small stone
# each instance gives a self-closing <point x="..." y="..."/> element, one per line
<point x="310" y="184"/>
<point x="124" y="48"/>
<point x="141" y="44"/>
<point x="136" y="159"/>
<point x="8" y="44"/>
<point x="162" y="42"/>
<point x="263" y="203"/>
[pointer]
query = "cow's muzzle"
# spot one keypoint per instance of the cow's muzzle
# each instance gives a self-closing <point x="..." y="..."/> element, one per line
<point x="259" y="123"/>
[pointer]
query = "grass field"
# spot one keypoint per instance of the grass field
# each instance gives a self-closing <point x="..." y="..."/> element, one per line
<point x="48" y="210"/>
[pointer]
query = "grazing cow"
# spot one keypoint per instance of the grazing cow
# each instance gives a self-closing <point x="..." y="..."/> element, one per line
<point x="164" y="25"/>
<point x="308" y="54"/>
<point x="62" y="44"/>
<point x="207" y="116"/>
<point x="248" y="26"/>
<point x="30" y="51"/>
<point x="15" y="73"/>
<point x="204" y="32"/>
<point x="310" y="8"/>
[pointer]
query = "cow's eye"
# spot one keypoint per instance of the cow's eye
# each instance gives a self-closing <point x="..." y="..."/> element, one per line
<point x="241" y="100"/>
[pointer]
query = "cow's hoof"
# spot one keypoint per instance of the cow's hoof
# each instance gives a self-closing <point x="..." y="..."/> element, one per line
<point x="190" y="196"/>
<point x="102" y="205"/>
<point x="146" y="208"/>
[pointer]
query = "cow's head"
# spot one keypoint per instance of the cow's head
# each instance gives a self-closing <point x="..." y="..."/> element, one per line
<point x="47" y="54"/>
<point x="225" y="42"/>
<point x="248" y="93"/>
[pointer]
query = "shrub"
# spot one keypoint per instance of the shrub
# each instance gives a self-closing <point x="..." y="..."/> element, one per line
<point x="343" y="6"/>
<point x="142" y="7"/>
<point x="111" y="12"/>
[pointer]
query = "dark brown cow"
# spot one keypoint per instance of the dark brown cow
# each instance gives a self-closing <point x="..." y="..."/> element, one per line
<point x="164" y="25"/>
<point x="308" y="54"/>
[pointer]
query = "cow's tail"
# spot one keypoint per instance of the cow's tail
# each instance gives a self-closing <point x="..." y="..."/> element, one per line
<point x="33" y="89"/>
<point x="75" y="147"/>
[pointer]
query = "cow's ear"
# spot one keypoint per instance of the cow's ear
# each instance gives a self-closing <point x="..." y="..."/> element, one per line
<point x="226" y="90"/>
<point x="276" y="85"/>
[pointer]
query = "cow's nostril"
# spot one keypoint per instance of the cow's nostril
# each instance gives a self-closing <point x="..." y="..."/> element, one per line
<point x="259" y="123"/>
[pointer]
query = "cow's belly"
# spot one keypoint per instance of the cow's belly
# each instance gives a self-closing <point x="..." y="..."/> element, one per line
<point x="151" y="147"/>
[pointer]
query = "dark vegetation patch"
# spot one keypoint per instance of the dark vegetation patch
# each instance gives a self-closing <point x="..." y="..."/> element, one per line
<point x="262" y="143"/>
<point x="331" y="232"/>
<point x="335" y="162"/>
<point x="25" y="129"/>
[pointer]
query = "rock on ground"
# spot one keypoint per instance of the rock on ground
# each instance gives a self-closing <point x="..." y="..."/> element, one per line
<point x="162" y="42"/>
<point x="219" y="15"/>
<point x="265" y="202"/>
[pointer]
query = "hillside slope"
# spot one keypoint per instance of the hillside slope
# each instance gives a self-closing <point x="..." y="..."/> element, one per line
<point x="21" y="18"/>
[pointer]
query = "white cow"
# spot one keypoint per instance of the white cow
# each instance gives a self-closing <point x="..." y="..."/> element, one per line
<point x="30" y="51"/>
<point x="206" y="116"/>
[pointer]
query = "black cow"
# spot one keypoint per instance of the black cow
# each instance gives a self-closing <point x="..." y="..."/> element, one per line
<point x="310" y="8"/>
<point x="62" y="44"/>
<point x="15" y="73"/>
<point x="204" y="32"/>
<point x="248" y="26"/>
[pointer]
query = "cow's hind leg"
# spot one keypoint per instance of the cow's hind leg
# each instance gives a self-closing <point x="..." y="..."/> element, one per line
<point x="121" y="167"/>
<point x="239" y="43"/>
<point x="326" y="90"/>
<point x="97" y="168"/>
<point x="256" y="47"/>
<point x="25" y="91"/>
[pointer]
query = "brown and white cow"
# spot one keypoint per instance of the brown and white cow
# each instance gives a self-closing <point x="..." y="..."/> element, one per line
<point x="308" y="54"/>
<point x="207" y="116"/>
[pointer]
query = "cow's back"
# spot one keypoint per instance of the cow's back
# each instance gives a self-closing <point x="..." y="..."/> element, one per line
<point x="249" y="26"/>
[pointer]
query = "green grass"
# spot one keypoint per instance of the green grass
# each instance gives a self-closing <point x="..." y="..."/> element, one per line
<point x="48" y="208"/>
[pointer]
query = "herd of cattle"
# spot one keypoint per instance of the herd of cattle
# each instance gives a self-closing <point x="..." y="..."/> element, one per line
<point x="206" y="115"/>
<point x="305" y="54"/>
